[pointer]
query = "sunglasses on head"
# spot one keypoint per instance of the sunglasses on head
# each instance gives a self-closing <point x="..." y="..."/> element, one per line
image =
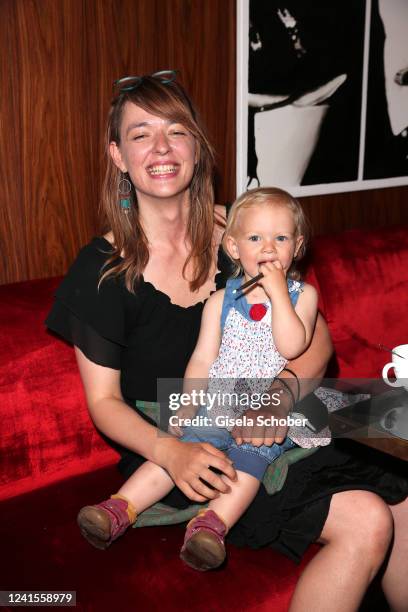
<point x="129" y="83"/>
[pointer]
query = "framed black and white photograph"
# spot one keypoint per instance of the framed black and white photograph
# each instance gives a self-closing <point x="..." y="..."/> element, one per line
<point x="322" y="94"/>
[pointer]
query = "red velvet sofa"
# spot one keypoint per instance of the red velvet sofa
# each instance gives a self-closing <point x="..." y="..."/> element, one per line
<point x="53" y="461"/>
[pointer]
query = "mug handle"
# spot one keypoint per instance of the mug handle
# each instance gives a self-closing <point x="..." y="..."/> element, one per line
<point x="387" y="367"/>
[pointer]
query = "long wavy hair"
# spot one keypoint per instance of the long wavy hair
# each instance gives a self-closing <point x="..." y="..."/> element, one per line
<point x="274" y="197"/>
<point x="130" y="245"/>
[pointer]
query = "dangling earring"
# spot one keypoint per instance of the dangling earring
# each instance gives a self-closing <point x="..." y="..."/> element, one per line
<point x="125" y="194"/>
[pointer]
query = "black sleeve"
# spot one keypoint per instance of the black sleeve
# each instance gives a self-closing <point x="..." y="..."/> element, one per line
<point x="91" y="318"/>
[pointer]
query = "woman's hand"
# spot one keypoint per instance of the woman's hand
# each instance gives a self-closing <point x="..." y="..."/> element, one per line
<point x="269" y="423"/>
<point x="189" y="463"/>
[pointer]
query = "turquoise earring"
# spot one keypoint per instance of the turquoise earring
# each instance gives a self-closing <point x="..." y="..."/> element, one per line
<point x="125" y="194"/>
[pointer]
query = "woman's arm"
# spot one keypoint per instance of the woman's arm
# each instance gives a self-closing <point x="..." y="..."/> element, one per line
<point x="187" y="463"/>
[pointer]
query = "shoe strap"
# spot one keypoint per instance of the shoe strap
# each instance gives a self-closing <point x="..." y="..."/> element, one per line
<point x="209" y="521"/>
<point x="130" y="509"/>
<point x="116" y="509"/>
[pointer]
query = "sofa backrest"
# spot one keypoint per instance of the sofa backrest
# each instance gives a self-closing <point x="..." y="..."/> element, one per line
<point x="362" y="280"/>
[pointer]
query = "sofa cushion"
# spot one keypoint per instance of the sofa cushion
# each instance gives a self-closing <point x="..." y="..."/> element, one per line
<point x="362" y="281"/>
<point x="46" y="433"/>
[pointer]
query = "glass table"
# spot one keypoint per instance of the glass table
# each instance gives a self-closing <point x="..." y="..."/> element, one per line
<point x="380" y="422"/>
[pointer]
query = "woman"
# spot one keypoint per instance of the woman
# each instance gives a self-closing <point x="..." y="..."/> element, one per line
<point x="132" y="303"/>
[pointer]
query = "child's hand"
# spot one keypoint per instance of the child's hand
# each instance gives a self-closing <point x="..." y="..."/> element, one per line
<point x="274" y="277"/>
<point x="178" y="418"/>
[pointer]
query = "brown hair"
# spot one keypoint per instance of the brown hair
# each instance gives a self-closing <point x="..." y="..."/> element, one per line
<point x="275" y="197"/>
<point x="171" y="102"/>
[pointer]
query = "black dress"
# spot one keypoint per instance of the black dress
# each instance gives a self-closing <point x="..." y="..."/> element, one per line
<point x="147" y="337"/>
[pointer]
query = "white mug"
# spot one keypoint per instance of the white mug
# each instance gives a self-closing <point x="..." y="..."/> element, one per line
<point x="400" y="364"/>
<point x="396" y="422"/>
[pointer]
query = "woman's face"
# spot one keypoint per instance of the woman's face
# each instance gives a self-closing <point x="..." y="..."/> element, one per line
<point x="159" y="155"/>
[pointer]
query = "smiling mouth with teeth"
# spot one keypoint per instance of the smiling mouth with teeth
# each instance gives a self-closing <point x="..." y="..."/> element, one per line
<point x="169" y="169"/>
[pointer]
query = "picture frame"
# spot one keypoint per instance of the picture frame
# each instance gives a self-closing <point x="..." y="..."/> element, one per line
<point x="319" y="108"/>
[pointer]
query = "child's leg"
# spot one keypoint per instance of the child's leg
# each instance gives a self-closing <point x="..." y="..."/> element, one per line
<point x="203" y="546"/>
<point x="146" y="486"/>
<point x="231" y="506"/>
<point x="103" y="523"/>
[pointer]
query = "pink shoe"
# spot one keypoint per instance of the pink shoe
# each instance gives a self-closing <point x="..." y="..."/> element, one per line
<point x="203" y="547"/>
<point x="103" y="523"/>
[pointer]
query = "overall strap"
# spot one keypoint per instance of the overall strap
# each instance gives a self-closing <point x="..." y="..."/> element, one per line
<point x="294" y="287"/>
<point x="238" y="301"/>
<point x="229" y="298"/>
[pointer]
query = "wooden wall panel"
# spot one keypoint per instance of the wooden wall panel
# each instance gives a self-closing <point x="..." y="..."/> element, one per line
<point x="357" y="209"/>
<point x="57" y="64"/>
<point x="58" y="61"/>
<point x="13" y="253"/>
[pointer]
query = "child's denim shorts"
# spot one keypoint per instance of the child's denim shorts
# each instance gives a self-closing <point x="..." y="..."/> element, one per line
<point x="247" y="458"/>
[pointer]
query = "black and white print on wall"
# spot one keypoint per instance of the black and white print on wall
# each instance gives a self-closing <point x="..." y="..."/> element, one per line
<point x="322" y="100"/>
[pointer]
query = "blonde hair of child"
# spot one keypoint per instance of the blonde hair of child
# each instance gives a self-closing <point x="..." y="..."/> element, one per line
<point x="274" y="197"/>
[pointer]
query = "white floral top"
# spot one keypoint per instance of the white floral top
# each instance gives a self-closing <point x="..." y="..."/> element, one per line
<point x="248" y="360"/>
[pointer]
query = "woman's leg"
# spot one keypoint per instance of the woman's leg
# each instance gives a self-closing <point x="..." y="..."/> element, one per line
<point x="355" y="539"/>
<point x="395" y="582"/>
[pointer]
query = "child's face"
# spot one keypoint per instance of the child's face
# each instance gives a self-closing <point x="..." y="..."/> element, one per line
<point x="264" y="232"/>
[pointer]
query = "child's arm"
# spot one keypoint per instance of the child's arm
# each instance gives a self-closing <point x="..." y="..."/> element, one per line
<point x="209" y="339"/>
<point x="292" y="328"/>
<point x="205" y="353"/>
<point x="297" y="331"/>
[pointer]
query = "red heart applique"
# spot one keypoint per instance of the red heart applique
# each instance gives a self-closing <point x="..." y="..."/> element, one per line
<point x="257" y="311"/>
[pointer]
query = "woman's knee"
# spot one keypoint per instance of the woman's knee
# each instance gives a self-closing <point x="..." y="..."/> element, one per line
<point x="377" y="524"/>
<point x="360" y="520"/>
